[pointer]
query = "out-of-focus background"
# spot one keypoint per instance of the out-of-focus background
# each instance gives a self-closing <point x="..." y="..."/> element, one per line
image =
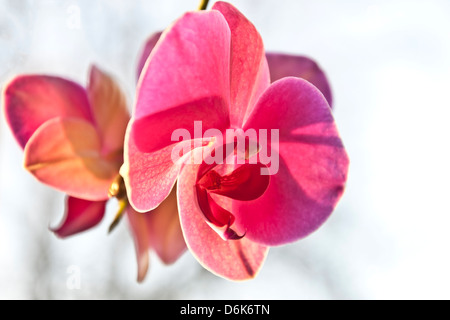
<point x="389" y="67"/>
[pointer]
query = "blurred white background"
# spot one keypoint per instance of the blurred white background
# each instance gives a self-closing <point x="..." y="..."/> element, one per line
<point x="389" y="67"/>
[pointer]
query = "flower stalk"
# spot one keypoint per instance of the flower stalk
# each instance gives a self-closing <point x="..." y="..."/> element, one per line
<point x="118" y="191"/>
<point x="123" y="203"/>
<point x="203" y="5"/>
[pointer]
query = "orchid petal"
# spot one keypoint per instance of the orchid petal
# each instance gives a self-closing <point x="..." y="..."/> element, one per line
<point x="249" y="71"/>
<point x="185" y="79"/>
<point x="109" y="110"/>
<point x="165" y="233"/>
<point x="139" y="229"/>
<point x="233" y="259"/>
<point x="184" y="117"/>
<point x="313" y="165"/>
<point x="65" y="154"/>
<point x="148" y="48"/>
<point x="30" y="101"/>
<point x="285" y="65"/>
<point x="149" y="177"/>
<point x="158" y="229"/>
<point x="80" y="215"/>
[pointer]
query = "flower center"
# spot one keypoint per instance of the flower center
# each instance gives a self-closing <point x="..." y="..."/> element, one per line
<point x="245" y="183"/>
<point x="117" y="188"/>
<point x="118" y="191"/>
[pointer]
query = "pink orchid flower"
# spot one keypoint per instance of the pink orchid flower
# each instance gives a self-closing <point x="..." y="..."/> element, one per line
<point x="73" y="141"/>
<point x="211" y="67"/>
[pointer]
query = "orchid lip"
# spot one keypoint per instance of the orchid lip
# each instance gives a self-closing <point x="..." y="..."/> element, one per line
<point x="244" y="183"/>
<point x="230" y="234"/>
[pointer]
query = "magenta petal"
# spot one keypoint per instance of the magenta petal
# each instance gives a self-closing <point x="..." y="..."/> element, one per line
<point x="148" y="48"/>
<point x="214" y="213"/>
<point x="29" y="101"/>
<point x="165" y="233"/>
<point x="232" y="259"/>
<point x="313" y="165"/>
<point x="244" y="183"/>
<point x="249" y="71"/>
<point x="65" y="154"/>
<point x="185" y="79"/>
<point x="159" y="230"/>
<point x="155" y="131"/>
<point x="149" y="177"/>
<point x="80" y="215"/>
<point x="285" y="65"/>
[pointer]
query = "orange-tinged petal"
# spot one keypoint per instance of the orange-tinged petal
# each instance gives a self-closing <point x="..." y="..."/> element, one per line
<point x="109" y="110"/>
<point x="65" y="154"/>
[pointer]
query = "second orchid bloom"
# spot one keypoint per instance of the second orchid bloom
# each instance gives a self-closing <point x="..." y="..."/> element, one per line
<point x="73" y="141"/>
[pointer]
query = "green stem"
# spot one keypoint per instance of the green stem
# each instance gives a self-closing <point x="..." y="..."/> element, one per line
<point x="203" y="5"/>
